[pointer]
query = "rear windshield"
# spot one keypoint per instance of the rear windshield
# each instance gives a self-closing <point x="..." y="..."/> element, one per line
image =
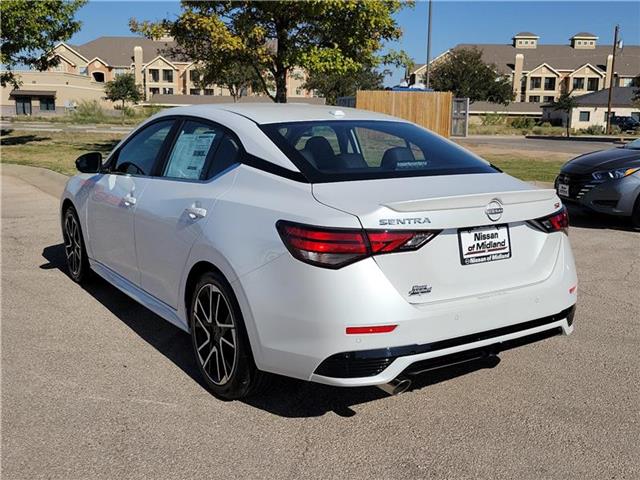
<point x="339" y="150"/>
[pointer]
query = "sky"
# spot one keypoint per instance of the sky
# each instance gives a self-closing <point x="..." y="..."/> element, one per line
<point x="453" y="22"/>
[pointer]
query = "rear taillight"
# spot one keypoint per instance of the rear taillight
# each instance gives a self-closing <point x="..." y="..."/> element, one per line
<point x="556" y="222"/>
<point x="337" y="247"/>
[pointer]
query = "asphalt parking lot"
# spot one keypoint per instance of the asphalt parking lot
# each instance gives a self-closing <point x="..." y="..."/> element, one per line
<point x="96" y="386"/>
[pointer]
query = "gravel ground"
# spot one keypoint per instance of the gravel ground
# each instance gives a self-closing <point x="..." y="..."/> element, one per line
<point x="96" y="386"/>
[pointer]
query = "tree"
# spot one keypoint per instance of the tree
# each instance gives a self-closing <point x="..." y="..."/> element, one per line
<point x="235" y="76"/>
<point x="123" y="89"/>
<point x="636" y="91"/>
<point x="331" y="37"/>
<point x="334" y="85"/>
<point x="30" y="30"/>
<point x="566" y="103"/>
<point x="464" y="73"/>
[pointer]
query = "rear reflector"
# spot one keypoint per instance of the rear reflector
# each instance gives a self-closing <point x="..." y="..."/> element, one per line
<point x="337" y="247"/>
<point x="556" y="222"/>
<point x="374" y="329"/>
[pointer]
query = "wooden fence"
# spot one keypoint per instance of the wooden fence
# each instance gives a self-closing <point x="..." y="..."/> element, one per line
<point x="431" y="110"/>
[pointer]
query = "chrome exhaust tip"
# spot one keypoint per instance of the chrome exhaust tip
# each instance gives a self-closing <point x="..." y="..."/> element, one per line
<point x="395" y="386"/>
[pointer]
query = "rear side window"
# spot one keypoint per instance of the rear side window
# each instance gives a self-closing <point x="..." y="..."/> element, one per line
<point x="139" y="154"/>
<point x="342" y="150"/>
<point x="192" y="149"/>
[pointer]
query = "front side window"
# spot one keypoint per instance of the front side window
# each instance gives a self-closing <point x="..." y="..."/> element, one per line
<point x="195" y="143"/>
<point x="139" y="154"/>
<point x="341" y="150"/>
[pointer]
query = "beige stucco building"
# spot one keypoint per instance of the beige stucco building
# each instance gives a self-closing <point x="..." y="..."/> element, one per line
<point x="539" y="73"/>
<point x="83" y="70"/>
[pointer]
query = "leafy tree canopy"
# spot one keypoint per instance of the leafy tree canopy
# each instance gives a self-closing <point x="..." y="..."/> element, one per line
<point x="565" y="103"/>
<point x="30" y="30"/>
<point x="464" y="73"/>
<point x="323" y="36"/>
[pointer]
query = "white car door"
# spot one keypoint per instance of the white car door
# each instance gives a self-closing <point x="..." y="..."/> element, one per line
<point x="113" y="200"/>
<point x="178" y="204"/>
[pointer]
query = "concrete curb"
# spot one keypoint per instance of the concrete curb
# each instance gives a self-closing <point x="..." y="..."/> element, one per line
<point x="43" y="179"/>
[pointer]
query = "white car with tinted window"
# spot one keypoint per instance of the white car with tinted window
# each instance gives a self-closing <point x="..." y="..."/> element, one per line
<point x="334" y="245"/>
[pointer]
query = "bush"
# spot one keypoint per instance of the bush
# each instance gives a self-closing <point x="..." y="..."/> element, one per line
<point x="546" y="125"/>
<point x="523" y="123"/>
<point x="615" y="130"/>
<point x="89" y="111"/>
<point x="593" y="130"/>
<point x="493" y="119"/>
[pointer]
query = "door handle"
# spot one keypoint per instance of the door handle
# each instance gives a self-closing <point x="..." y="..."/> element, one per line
<point x="196" y="212"/>
<point x="129" y="200"/>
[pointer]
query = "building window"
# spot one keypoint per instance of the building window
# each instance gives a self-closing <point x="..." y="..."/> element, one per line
<point x="549" y="83"/>
<point x="83" y="71"/>
<point x="98" y="77"/>
<point x="155" y="74"/>
<point x="194" y="77"/>
<point x="194" y="91"/>
<point x="208" y="91"/>
<point x="23" y="105"/>
<point x="120" y="71"/>
<point x="626" y="82"/>
<point x="535" y="99"/>
<point x="592" y="84"/>
<point x="584" y="116"/>
<point x="578" y="83"/>
<point x="47" y="104"/>
<point x="167" y="91"/>
<point x="549" y="99"/>
<point x="536" y="83"/>
<point x="154" y="91"/>
<point x="167" y="76"/>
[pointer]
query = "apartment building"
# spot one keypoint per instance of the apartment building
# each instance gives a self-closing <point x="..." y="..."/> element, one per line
<point x="539" y="72"/>
<point x="84" y="69"/>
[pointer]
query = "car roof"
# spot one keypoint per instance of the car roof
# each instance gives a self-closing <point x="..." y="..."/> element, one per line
<point x="264" y="113"/>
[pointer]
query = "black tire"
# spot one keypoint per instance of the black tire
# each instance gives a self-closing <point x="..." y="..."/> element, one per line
<point x="74" y="248"/>
<point x="635" y="216"/>
<point x="212" y="337"/>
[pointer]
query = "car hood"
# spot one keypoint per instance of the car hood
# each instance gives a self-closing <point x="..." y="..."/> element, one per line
<point x="602" y="160"/>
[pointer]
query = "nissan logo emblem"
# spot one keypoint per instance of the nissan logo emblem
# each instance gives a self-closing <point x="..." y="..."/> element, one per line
<point x="494" y="210"/>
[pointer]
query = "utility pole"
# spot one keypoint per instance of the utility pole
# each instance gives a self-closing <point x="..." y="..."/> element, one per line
<point x="427" y="81"/>
<point x="612" y="79"/>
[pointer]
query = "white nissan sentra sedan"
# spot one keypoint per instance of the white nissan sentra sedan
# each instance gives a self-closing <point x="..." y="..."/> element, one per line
<point x="333" y="245"/>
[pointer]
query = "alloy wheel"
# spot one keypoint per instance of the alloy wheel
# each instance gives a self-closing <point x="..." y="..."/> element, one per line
<point x="72" y="244"/>
<point x="215" y="334"/>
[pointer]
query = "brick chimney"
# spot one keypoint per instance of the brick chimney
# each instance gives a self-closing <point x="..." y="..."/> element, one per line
<point x="609" y="73"/>
<point x="517" y="76"/>
<point x="137" y="64"/>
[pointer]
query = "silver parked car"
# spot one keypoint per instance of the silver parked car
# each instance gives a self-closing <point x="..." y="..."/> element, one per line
<point x="606" y="181"/>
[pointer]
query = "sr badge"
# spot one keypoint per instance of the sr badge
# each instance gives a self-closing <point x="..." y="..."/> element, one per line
<point x="419" y="290"/>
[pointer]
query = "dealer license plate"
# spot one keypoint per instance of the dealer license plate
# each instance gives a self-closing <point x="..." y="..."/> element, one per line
<point x="484" y="244"/>
<point x="563" y="189"/>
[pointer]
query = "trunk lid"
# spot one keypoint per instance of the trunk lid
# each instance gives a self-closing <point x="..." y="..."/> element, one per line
<point x="436" y="271"/>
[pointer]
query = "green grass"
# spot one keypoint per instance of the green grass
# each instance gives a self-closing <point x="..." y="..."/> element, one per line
<point x="58" y="150"/>
<point x="526" y="168"/>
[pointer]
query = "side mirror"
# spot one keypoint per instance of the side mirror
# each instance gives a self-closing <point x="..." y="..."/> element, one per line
<point x="89" y="162"/>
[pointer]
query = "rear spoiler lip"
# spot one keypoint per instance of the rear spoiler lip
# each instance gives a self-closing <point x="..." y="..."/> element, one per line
<point x="473" y="200"/>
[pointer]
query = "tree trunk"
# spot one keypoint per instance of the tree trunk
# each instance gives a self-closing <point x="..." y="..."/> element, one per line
<point x="122" y="112"/>
<point x="568" y="128"/>
<point x="281" y="86"/>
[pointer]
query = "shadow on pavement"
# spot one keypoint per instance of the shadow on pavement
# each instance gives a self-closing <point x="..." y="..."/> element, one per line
<point x="581" y="218"/>
<point x="285" y="397"/>
<point x="19" y="140"/>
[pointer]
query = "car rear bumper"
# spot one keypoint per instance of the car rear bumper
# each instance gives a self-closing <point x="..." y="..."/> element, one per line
<point x="373" y="367"/>
<point x="296" y="316"/>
